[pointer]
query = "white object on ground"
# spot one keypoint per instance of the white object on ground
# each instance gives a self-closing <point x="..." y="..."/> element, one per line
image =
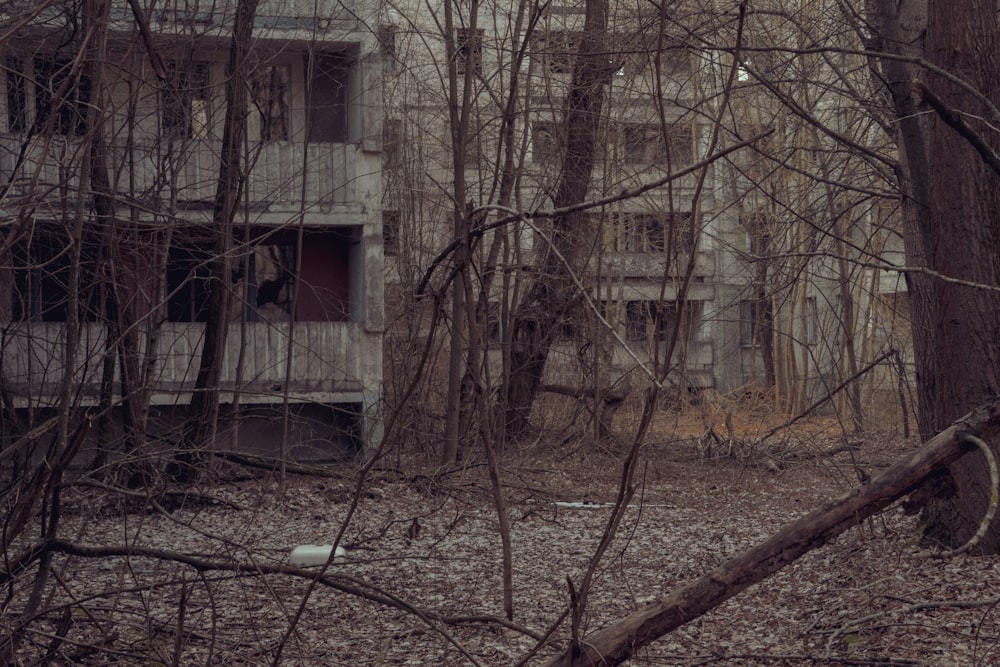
<point x="315" y="554"/>
<point x="591" y="505"/>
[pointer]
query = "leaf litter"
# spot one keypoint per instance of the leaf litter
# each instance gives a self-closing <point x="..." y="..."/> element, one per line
<point x="865" y="599"/>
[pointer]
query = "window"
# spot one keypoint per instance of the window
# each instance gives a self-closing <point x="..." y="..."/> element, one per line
<point x="184" y="101"/>
<point x="494" y="332"/>
<point x="17" y="97"/>
<point x="390" y="232"/>
<point x="469" y="50"/>
<point x="328" y="98"/>
<point x="642" y="232"/>
<point x="58" y="94"/>
<point x="556" y="50"/>
<point x="649" y="232"/>
<point x="387" y="42"/>
<point x="812" y="321"/>
<point x="269" y="87"/>
<point x="189" y="288"/>
<point x="327" y="286"/>
<point x="631" y="59"/>
<point x="680" y="141"/>
<point x="270" y="282"/>
<point x="331" y="288"/>
<point x="61" y="94"/>
<point x="636" y="316"/>
<point x="748" y="323"/>
<point x="392" y="142"/>
<point x="40" y="286"/>
<point x="546" y="142"/>
<point x="642" y="143"/>
<point x="649" y="320"/>
<point x="635" y="52"/>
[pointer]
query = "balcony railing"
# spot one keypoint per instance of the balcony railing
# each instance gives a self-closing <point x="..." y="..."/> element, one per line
<point x="48" y="171"/>
<point x="326" y="357"/>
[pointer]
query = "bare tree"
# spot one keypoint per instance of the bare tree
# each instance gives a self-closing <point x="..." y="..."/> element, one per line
<point x="204" y="408"/>
<point x="949" y="200"/>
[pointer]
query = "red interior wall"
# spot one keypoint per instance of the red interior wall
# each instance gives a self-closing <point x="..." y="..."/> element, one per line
<point x="324" y="290"/>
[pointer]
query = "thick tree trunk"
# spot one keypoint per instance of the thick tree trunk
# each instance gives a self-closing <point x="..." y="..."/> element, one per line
<point x="620" y="641"/>
<point x="951" y="211"/>
<point x="552" y="293"/>
<point x="203" y="411"/>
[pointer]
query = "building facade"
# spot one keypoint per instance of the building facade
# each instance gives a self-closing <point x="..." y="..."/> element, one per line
<point x="121" y="223"/>
<point x="728" y="263"/>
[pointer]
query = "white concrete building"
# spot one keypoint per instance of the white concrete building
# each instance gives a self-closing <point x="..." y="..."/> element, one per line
<point x="306" y="322"/>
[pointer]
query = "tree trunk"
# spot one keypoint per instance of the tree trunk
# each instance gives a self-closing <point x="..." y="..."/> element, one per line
<point x="551" y="293"/>
<point x="459" y="111"/>
<point x="951" y="218"/>
<point x="203" y="411"/>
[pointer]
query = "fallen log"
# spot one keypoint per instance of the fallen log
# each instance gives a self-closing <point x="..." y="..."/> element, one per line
<point x="619" y="641"/>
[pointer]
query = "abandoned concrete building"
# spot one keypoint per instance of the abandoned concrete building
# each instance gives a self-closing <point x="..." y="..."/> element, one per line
<point x="746" y="242"/>
<point x="114" y="214"/>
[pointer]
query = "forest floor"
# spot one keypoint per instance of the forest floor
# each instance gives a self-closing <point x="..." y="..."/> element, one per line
<point x="867" y="598"/>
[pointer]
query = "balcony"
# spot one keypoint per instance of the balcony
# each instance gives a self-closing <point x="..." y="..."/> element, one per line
<point x="152" y="176"/>
<point x="327" y="358"/>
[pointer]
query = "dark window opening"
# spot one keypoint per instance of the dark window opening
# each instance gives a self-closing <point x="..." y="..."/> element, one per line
<point x="812" y="321"/>
<point x="40" y="288"/>
<point x="636" y="316"/>
<point x="392" y="142"/>
<point x="642" y="232"/>
<point x="62" y="93"/>
<point x="557" y="50"/>
<point x="330" y="262"/>
<point x="650" y="232"/>
<point x="17" y="97"/>
<point x="321" y="291"/>
<point x="680" y="143"/>
<point x="270" y="94"/>
<point x="650" y="320"/>
<point x="469" y="50"/>
<point x="643" y="143"/>
<point x="189" y="286"/>
<point x="494" y="332"/>
<point x="328" y="98"/>
<point x="748" y="322"/>
<point x="387" y="42"/>
<point x="184" y="101"/>
<point x="390" y="233"/>
<point x="271" y="282"/>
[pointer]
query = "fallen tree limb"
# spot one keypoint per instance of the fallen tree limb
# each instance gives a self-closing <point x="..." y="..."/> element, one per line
<point x="272" y="465"/>
<point x="618" y="642"/>
<point x="342" y="582"/>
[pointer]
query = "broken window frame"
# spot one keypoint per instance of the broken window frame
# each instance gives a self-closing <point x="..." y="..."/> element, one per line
<point x="270" y="100"/>
<point x="185" y="100"/>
